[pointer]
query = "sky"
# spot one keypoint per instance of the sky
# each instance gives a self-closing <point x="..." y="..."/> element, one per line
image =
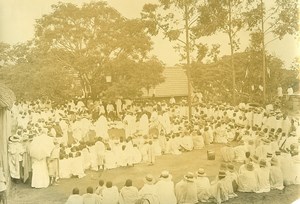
<point x="17" y="19"/>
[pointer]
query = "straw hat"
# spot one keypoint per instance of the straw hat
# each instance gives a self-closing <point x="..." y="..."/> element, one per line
<point x="274" y="161"/>
<point x="262" y="163"/>
<point x="149" y="179"/>
<point x="14" y="139"/>
<point x="165" y="175"/>
<point x="189" y="177"/>
<point x="201" y="172"/>
<point x="222" y="173"/>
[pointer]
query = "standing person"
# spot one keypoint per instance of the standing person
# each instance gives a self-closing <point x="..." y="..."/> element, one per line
<point x="2" y="187"/>
<point x="144" y="124"/>
<point x="149" y="190"/>
<point x="128" y="194"/>
<point x="100" y="151"/>
<point x="53" y="167"/>
<point x="150" y="153"/>
<point x="186" y="190"/>
<point x="165" y="189"/>
<point x="90" y="197"/>
<point x="15" y="151"/>
<point x="75" y="198"/>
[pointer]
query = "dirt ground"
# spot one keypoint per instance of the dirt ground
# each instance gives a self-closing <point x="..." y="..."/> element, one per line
<point x="176" y="165"/>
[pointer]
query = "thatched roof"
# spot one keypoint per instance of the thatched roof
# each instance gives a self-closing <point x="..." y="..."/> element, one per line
<point x="7" y="97"/>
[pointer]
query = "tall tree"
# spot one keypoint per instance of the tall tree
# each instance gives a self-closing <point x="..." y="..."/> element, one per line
<point x="269" y="22"/>
<point x="225" y="17"/>
<point x="89" y="39"/>
<point x="175" y="19"/>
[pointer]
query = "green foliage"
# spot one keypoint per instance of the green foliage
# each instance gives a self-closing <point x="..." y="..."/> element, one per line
<point x="76" y="47"/>
<point x="215" y="78"/>
<point x="96" y="41"/>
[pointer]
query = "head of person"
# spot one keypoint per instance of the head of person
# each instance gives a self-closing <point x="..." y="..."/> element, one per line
<point x="101" y="182"/>
<point x="128" y="183"/>
<point x="75" y="191"/>
<point x="89" y="190"/>
<point x="108" y="184"/>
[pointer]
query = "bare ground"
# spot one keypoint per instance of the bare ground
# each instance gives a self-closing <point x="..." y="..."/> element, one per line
<point x="176" y="165"/>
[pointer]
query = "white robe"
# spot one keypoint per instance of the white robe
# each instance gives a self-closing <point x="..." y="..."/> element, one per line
<point x="40" y="175"/>
<point x="144" y="125"/>
<point x="166" y="193"/>
<point x="101" y="126"/>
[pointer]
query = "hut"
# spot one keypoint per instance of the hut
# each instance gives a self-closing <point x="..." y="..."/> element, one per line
<point x="7" y="99"/>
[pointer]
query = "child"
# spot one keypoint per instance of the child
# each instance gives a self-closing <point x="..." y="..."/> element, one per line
<point x="53" y="164"/>
<point x="151" y="153"/>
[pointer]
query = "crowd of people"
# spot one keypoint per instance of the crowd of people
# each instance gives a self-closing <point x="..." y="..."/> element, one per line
<point x="54" y="141"/>
<point x="253" y="176"/>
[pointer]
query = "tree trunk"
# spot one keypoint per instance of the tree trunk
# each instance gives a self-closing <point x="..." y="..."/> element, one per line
<point x="263" y="52"/>
<point x="231" y="55"/>
<point x="188" y="71"/>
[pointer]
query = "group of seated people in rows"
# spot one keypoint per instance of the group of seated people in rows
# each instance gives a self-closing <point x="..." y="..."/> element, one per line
<point x="255" y="175"/>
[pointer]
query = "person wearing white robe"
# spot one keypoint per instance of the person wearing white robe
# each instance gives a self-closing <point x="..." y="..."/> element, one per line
<point x="165" y="189"/>
<point x="240" y="152"/>
<point x="149" y="190"/>
<point x="85" y="125"/>
<point x="128" y="194"/>
<point x="187" y="142"/>
<point x="186" y="190"/>
<point x="198" y="141"/>
<point x="64" y="127"/>
<point x="203" y="186"/>
<point x="286" y="164"/>
<point x="110" y="160"/>
<point x="15" y="151"/>
<point x="110" y="194"/>
<point x="248" y="179"/>
<point x="276" y="179"/>
<point x="100" y="151"/>
<point x="118" y="103"/>
<point x="263" y="174"/>
<point x="93" y="157"/>
<point x="129" y="151"/>
<point x="144" y="124"/>
<point x="127" y="124"/>
<point x="40" y="175"/>
<point x="64" y="167"/>
<point x="137" y="156"/>
<point x="174" y="145"/>
<point x="76" y="130"/>
<point x="167" y="122"/>
<point x="75" y="198"/>
<point x="101" y="126"/>
<point x="286" y="124"/>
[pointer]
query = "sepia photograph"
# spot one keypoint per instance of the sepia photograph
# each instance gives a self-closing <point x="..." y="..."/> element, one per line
<point x="149" y="102"/>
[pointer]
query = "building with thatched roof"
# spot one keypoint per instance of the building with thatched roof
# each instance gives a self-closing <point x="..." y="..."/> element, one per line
<point x="7" y="98"/>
